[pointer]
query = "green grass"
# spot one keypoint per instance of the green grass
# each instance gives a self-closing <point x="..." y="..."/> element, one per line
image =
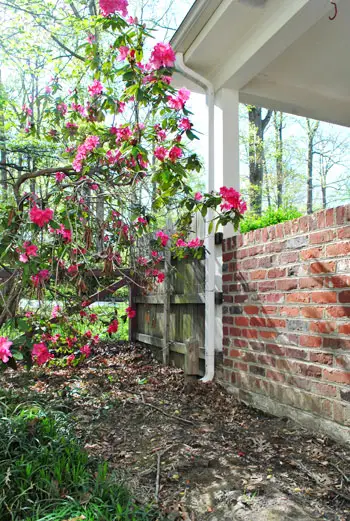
<point x="46" y="475"/>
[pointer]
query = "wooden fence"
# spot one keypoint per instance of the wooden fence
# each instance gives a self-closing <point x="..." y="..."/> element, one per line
<point x="171" y="318"/>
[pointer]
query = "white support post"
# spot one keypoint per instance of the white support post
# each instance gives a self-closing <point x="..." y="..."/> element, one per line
<point x="226" y="174"/>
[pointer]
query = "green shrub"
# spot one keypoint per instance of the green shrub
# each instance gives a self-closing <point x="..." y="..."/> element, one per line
<point x="268" y="218"/>
<point x="46" y="475"/>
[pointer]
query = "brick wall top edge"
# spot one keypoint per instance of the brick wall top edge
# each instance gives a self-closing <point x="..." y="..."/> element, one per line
<point x="329" y="218"/>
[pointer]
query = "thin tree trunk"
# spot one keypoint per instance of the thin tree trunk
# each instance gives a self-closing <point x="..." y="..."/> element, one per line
<point x="311" y="131"/>
<point x="257" y="126"/>
<point x="278" y="123"/>
<point x="3" y="148"/>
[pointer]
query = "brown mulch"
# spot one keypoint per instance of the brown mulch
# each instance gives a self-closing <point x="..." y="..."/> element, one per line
<point x="190" y="446"/>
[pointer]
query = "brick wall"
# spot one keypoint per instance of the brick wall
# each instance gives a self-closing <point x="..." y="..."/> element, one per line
<point x="286" y="319"/>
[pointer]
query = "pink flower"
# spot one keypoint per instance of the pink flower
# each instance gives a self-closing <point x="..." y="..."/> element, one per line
<point x="93" y="317"/>
<point x="181" y="243"/>
<point x="123" y="52"/>
<point x="86" y="350"/>
<point x="142" y="220"/>
<point x="198" y="196"/>
<point x="40" y="217"/>
<point x="40" y="278"/>
<point x="195" y="243"/>
<point x="91" y="38"/>
<point x="5" y="353"/>
<point x="48" y="89"/>
<point x="185" y="124"/>
<point x="160" y="153"/>
<point x="73" y="269"/>
<point x="40" y="354"/>
<point x="130" y="312"/>
<point x="23" y="258"/>
<point x="62" y="108"/>
<point x="232" y="200"/>
<point x="113" y="156"/>
<point x="179" y="102"/>
<point x="163" y="237"/>
<point x="161" y="135"/>
<point x="111" y="6"/>
<point x="60" y="176"/>
<point x="143" y="261"/>
<point x="27" y="110"/>
<point x="96" y="88"/>
<point x="90" y="143"/>
<point x="31" y="250"/>
<point x="160" y="277"/>
<point x="55" y="310"/>
<point x="175" y="153"/>
<point x="113" y="327"/>
<point x="70" y="359"/>
<point x="162" y="56"/>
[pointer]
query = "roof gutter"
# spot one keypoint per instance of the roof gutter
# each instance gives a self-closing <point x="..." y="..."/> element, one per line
<point x="209" y="238"/>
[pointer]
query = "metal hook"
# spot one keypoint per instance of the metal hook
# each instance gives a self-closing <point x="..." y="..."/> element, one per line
<point x="335" y="11"/>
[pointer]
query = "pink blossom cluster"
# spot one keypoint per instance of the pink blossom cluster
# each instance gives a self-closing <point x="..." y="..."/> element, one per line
<point x="60" y="176"/>
<point x="130" y="312"/>
<point x="113" y="327"/>
<point x="112" y="6"/>
<point x="62" y="108"/>
<point x="41" y="354"/>
<point x="194" y="243"/>
<point x="164" y="238"/>
<point x="161" y="153"/>
<point x="96" y="88"/>
<point x="30" y="250"/>
<point x="122" y="133"/>
<point x="185" y="124"/>
<point x="39" y="278"/>
<point x="40" y="217"/>
<point x="90" y="143"/>
<point x="178" y="102"/>
<point x="232" y="200"/>
<point x="162" y="56"/>
<point x="65" y="233"/>
<point x="5" y="353"/>
<point x="79" y="108"/>
<point x="158" y="275"/>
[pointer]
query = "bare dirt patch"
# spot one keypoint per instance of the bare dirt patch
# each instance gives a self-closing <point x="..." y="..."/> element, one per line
<point x="194" y="449"/>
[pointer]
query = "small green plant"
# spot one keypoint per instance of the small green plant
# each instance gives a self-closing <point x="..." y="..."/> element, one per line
<point x="270" y="217"/>
<point x="46" y="475"/>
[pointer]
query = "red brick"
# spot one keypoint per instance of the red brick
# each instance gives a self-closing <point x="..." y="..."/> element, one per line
<point x="340" y="377"/>
<point x="304" y="223"/>
<point x="276" y="273"/>
<point x="321" y="358"/>
<point x="323" y="327"/>
<point x="267" y="285"/>
<point x="338" y="311"/>
<point x="227" y="257"/>
<point x="276" y="322"/>
<point x="249" y="264"/>
<point x="323" y="389"/>
<point x="323" y="267"/>
<point x="289" y="311"/>
<point x="286" y="284"/>
<point x="344" y="297"/>
<point x="235" y="331"/>
<point x="343" y="361"/>
<point x="310" y="341"/>
<point x="239" y="299"/>
<point x="330" y="217"/>
<point x="258" y="322"/>
<point x="241" y="366"/>
<point x="269" y="310"/>
<point x="336" y="343"/>
<point x="258" y="275"/>
<point x="338" y="249"/>
<point x="341" y="214"/>
<point x="324" y="297"/>
<point x="227" y="320"/>
<point x="320" y="237"/>
<point x="234" y="353"/>
<point x="338" y="281"/>
<point x="227" y="277"/>
<point x="276" y="298"/>
<point x="249" y="333"/>
<point x="298" y="297"/>
<point x="311" y="282"/>
<point x="312" y="312"/>
<point x="228" y="362"/>
<point x="239" y="342"/>
<point x="251" y="310"/>
<point x="344" y="330"/>
<point x="311" y="253"/>
<point x="228" y="298"/>
<point x="344" y="233"/>
<point x="321" y="219"/>
<point x="274" y="349"/>
<point x="299" y="354"/>
<point x="268" y="334"/>
<point x="242" y="321"/>
<point x="276" y="377"/>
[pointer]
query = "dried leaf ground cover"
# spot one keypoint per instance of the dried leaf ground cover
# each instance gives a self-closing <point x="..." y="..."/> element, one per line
<point x="192" y="448"/>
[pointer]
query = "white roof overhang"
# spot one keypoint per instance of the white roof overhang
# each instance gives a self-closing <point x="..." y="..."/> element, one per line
<point x="280" y="54"/>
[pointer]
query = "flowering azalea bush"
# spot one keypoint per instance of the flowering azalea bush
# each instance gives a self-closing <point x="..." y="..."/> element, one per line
<point x="123" y="136"/>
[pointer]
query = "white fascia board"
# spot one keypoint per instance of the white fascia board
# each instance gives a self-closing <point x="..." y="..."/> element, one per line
<point x="192" y="25"/>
